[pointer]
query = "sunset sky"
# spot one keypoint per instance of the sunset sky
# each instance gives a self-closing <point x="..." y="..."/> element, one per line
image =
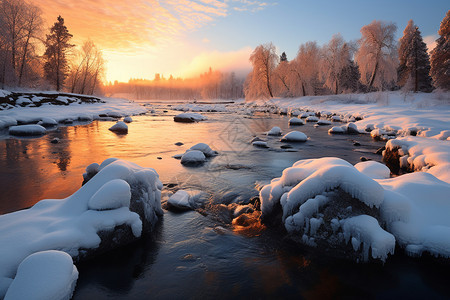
<point x="183" y="38"/>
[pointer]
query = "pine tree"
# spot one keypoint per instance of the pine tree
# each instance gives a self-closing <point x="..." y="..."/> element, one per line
<point x="440" y="56"/>
<point x="56" y="66"/>
<point x="414" y="68"/>
<point x="283" y="57"/>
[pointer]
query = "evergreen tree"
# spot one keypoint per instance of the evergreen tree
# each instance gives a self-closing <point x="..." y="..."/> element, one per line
<point x="56" y="67"/>
<point x="283" y="57"/>
<point x="414" y="68"/>
<point x="349" y="78"/>
<point x="440" y="56"/>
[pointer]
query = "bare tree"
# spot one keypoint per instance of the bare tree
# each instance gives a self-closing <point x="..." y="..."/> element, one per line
<point x="377" y="54"/>
<point x="259" y="82"/>
<point x="335" y="56"/>
<point x="305" y="70"/>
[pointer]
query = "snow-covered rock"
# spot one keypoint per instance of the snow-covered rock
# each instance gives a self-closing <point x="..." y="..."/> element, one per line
<point x="189" y="118"/>
<point x="45" y="121"/>
<point x="69" y="225"/>
<point x="193" y="157"/>
<point x="119" y="127"/>
<point x="294" y="136"/>
<point x="260" y="144"/>
<point x="312" y="119"/>
<point x="27" y="130"/>
<point x="113" y="194"/>
<point x="274" y="131"/>
<point x="205" y="148"/>
<point x="352" y="128"/>
<point x="44" y="275"/>
<point x="336" y="130"/>
<point x="296" y="121"/>
<point x="180" y="200"/>
<point x="323" y="122"/>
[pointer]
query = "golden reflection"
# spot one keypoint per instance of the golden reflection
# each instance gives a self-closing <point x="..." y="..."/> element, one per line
<point x="249" y="224"/>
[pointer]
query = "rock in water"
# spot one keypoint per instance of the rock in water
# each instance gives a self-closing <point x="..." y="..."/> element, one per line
<point x="119" y="127"/>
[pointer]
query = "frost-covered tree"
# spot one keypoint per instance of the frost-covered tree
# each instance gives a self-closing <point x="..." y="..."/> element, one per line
<point x="377" y="54"/>
<point x="335" y="56"/>
<point x="440" y="56"/>
<point x="56" y="67"/>
<point x="305" y="70"/>
<point x="282" y="78"/>
<point x="259" y="82"/>
<point x="414" y="62"/>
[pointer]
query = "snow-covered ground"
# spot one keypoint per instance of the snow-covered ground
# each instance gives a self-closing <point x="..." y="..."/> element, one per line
<point x="74" y="111"/>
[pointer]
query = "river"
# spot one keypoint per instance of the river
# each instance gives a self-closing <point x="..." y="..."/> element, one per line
<point x="194" y="255"/>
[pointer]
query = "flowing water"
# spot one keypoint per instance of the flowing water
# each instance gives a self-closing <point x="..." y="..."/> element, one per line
<point x="193" y="255"/>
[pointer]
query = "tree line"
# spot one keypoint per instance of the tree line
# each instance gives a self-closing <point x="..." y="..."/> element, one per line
<point x="61" y="67"/>
<point x="375" y="62"/>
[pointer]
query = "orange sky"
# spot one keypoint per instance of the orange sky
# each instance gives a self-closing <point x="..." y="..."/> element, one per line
<point x="140" y="38"/>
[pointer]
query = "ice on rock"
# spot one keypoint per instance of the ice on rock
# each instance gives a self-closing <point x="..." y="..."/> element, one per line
<point x="27" y="130"/>
<point x="366" y="230"/>
<point x="119" y="127"/>
<point x="207" y="151"/>
<point x="296" y="121"/>
<point x="274" y="131"/>
<point x="69" y="225"/>
<point x="46" y="275"/>
<point x="294" y="136"/>
<point x="373" y="169"/>
<point x="193" y="157"/>
<point x="113" y="194"/>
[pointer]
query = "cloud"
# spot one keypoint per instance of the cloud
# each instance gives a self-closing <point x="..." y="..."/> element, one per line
<point x="248" y="5"/>
<point x="232" y="61"/>
<point x="430" y="40"/>
<point x="118" y="24"/>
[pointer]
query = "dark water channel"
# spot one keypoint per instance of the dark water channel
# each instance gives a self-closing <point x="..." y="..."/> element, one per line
<point x="191" y="255"/>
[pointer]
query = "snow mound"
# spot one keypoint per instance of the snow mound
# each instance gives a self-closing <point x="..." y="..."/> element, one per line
<point x="189" y="118"/>
<point x="193" y="157"/>
<point x="294" y="136"/>
<point x="323" y="122"/>
<point x="113" y="194"/>
<point x="27" y="130"/>
<point x="205" y="148"/>
<point x="44" y="275"/>
<point x="119" y="127"/>
<point x="296" y="121"/>
<point x="373" y="169"/>
<point x="416" y="209"/>
<point x="274" y="131"/>
<point x="69" y="225"/>
<point x="312" y="119"/>
<point x="45" y="121"/>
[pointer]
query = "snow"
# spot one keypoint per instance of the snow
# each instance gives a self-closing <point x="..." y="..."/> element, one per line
<point x="373" y="169"/>
<point x="27" y="130"/>
<point x="119" y="127"/>
<point x="260" y="144"/>
<point x="206" y="149"/>
<point x="75" y="111"/>
<point x="294" y="136"/>
<point x="45" y="121"/>
<point x="193" y="157"/>
<point x="113" y="194"/>
<point x="336" y="129"/>
<point x="69" y="224"/>
<point x="424" y="154"/>
<point x="366" y="230"/>
<point x="323" y="122"/>
<point x="296" y="121"/>
<point x="312" y="119"/>
<point x="189" y="118"/>
<point x="274" y="131"/>
<point x="46" y="275"/>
